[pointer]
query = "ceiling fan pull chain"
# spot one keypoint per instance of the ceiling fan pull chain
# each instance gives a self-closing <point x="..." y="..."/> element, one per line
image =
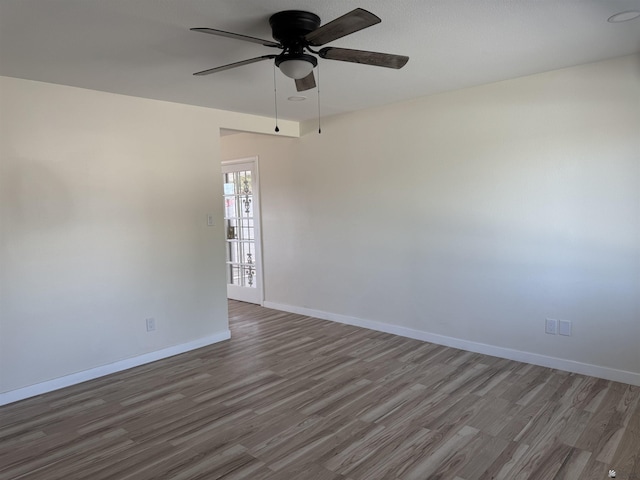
<point x="319" y="126"/>
<point x="275" y="96"/>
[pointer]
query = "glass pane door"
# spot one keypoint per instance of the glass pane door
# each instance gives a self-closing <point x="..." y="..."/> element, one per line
<point x="242" y="227"/>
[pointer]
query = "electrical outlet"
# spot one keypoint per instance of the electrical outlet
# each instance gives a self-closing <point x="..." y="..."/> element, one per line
<point x="551" y="326"/>
<point x="564" y="327"/>
<point x="210" y="220"/>
<point x="151" y="324"/>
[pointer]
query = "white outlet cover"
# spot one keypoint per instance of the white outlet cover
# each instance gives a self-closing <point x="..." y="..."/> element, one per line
<point x="551" y="326"/>
<point x="564" y="327"/>
<point x="151" y="324"/>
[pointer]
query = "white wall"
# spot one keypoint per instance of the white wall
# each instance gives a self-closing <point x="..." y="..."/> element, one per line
<point x="103" y="214"/>
<point x="471" y="215"/>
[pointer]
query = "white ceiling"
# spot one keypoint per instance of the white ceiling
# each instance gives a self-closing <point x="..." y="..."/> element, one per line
<point x="144" y="47"/>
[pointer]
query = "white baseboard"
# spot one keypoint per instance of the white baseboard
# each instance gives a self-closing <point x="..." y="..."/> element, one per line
<point x="75" y="378"/>
<point x="598" y="371"/>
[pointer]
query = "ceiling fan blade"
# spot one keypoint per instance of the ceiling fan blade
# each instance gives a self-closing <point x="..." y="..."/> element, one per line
<point x="306" y="83"/>
<point x="346" y="24"/>
<point x="234" y="65"/>
<point x="361" y="56"/>
<point x="237" y="36"/>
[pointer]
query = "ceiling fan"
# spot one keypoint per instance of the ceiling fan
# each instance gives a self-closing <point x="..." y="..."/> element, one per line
<point x="295" y="32"/>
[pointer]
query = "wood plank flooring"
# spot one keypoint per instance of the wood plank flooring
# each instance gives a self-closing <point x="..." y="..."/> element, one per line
<point x="293" y="397"/>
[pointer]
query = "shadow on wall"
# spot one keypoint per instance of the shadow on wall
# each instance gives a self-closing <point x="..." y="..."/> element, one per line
<point x="34" y="197"/>
<point x="637" y="63"/>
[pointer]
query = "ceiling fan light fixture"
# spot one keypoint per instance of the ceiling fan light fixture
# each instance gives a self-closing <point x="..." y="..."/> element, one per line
<point x="296" y="66"/>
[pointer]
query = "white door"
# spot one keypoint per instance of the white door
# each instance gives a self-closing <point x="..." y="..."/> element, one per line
<point x="242" y="222"/>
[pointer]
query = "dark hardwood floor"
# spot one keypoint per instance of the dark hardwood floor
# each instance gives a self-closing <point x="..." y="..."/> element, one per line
<point x="293" y="397"/>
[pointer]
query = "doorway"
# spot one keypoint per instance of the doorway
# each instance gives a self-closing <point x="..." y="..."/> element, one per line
<point x="242" y="230"/>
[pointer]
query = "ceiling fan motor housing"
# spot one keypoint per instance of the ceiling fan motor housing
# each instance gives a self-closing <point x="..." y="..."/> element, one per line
<point x="290" y="27"/>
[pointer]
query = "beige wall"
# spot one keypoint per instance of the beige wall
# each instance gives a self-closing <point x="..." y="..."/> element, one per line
<point x="470" y="215"/>
<point x="103" y="214"/>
